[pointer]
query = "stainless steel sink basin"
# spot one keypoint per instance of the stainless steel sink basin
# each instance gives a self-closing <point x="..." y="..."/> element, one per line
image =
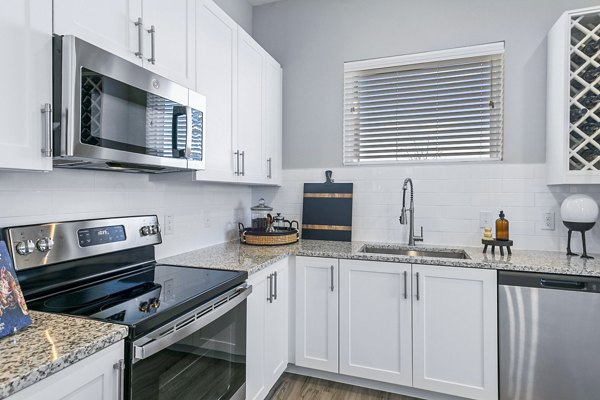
<point x="441" y="253"/>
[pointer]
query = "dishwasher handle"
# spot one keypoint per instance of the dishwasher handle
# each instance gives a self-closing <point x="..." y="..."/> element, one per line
<point x="562" y="284"/>
<point x="577" y="283"/>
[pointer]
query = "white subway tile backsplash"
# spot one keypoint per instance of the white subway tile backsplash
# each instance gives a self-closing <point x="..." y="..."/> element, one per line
<point x="448" y="200"/>
<point x="60" y="195"/>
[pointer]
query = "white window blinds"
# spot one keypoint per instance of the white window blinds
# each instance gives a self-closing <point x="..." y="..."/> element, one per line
<point x="445" y="105"/>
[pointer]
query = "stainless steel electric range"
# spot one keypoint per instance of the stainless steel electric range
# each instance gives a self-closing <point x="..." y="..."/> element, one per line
<point x="187" y="326"/>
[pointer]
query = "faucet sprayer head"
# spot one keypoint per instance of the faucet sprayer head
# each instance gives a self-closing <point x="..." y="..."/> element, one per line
<point x="402" y="218"/>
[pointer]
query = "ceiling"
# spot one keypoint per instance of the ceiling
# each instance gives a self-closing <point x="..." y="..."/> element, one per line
<point x="261" y="2"/>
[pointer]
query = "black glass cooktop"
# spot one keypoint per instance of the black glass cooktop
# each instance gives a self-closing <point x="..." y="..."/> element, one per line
<point x="143" y="299"/>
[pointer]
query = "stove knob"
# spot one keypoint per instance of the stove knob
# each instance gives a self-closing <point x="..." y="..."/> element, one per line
<point x="155" y="303"/>
<point x="45" y="244"/>
<point x="144" y="307"/>
<point x="145" y="230"/>
<point x="153" y="229"/>
<point x="25" y="247"/>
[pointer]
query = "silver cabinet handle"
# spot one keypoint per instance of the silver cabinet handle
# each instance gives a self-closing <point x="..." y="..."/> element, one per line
<point x="269" y="163"/>
<point x="275" y="291"/>
<point x="47" y="149"/>
<point x="140" y="27"/>
<point x="418" y="298"/>
<point x="270" y="283"/>
<point x="243" y="154"/>
<point x="152" y="32"/>
<point x="120" y="368"/>
<point x="237" y="162"/>
<point x="332" y="287"/>
<point x="405" y="285"/>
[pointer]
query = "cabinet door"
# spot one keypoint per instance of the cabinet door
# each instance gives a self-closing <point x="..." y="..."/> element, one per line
<point x="255" y="340"/>
<point x="93" y="378"/>
<point x="277" y="324"/>
<point x="169" y="36"/>
<point x="109" y="24"/>
<point x="249" y="108"/>
<point x="455" y="346"/>
<point x="317" y="313"/>
<point x="216" y="66"/>
<point x="272" y="126"/>
<point x="376" y="321"/>
<point x="26" y="81"/>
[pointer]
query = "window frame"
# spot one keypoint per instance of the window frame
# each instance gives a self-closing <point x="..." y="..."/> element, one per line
<point x="489" y="49"/>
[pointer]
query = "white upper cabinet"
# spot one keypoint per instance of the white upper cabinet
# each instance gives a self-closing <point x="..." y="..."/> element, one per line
<point x="216" y="70"/>
<point x="156" y="34"/>
<point x="272" y="120"/>
<point x="317" y="313"/>
<point x="26" y="81"/>
<point x="248" y="144"/>
<point x="376" y="321"/>
<point x="573" y="99"/>
<point x="455" y="347"/>
<point x="169" y="42"/>
<point x="109" y="24"/>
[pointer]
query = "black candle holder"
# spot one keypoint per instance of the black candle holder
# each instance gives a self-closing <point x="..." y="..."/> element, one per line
<point x="582" y="227"/>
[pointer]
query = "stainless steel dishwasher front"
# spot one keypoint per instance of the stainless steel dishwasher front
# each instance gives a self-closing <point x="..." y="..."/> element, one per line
<point x="549" y="334"/>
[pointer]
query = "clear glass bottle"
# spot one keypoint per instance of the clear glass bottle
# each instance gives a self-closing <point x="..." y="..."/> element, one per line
<point x="501" y="227"/>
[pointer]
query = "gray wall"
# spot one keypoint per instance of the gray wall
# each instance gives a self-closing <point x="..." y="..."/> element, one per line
<point x="239" y="10"/>
<point x="313" y="38"/>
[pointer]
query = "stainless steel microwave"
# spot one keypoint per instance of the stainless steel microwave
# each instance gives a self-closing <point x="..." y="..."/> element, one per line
<point x="112" y="114"/>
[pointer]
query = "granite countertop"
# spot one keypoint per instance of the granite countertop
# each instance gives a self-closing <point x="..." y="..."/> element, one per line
<point x="51" y="343"/>
<point x="236" y="256"/>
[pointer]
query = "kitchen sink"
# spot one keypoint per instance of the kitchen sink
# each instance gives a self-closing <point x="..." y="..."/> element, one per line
<point x="437" y="253"/>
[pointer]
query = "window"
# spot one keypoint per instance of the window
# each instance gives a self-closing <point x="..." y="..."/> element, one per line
<point x="443" y="105"/>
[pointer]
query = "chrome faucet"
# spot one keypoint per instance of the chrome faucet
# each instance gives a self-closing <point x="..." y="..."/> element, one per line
<point x="411" y="233"/>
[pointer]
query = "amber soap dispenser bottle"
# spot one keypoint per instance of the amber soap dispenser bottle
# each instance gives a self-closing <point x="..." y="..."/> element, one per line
<point x="501" y="227"/>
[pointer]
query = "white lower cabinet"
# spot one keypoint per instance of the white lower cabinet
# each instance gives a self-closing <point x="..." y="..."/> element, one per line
<point x="428" y="327"/>
<point x="96" y="377"/>
<point x="267" y="331"/>
<point x="455" y="348"/>
<point x="317" y="313"/>
<point x="375" y="321"/>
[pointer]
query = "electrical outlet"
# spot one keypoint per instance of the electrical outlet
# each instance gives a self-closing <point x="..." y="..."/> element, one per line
<point x="485" y="219"/>
<point x="548" y="221"/>
<point x="169" y="228"/>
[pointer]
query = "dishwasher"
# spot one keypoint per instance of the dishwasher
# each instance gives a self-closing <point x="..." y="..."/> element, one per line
<point x="549" y="333"/>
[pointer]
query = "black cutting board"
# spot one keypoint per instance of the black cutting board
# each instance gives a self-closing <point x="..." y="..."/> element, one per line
<point x="327" y="211"/>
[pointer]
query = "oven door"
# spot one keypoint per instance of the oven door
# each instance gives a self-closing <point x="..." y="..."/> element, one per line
<point x="116" y="111"/>
<point x="200" y="356"/>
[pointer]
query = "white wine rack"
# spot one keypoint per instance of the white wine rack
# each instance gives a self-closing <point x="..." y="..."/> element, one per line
<point x="584" y="118"/>
<point x="573" y="99"/>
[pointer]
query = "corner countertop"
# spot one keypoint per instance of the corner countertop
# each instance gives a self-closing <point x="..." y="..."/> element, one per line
<point x="241" y="257"/>
<point x="51" y="343"/>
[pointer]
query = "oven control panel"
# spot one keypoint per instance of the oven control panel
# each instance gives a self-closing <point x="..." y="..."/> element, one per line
<point x="38" y="245"/>
<point x="101" y="235"/>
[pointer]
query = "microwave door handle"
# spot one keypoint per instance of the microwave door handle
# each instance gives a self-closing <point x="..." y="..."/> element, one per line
<point x="178" y="111"/>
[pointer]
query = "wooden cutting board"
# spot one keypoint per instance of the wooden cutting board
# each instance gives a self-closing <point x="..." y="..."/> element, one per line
<point x="327" y="211"/>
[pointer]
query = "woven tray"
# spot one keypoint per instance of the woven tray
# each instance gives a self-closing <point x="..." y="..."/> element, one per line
<point x="279" y="237"/>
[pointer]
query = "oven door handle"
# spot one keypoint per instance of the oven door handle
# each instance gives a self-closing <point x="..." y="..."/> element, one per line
<point x="189" y="323"/>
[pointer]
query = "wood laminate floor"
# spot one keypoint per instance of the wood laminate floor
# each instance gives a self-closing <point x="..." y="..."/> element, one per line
<point x="297" y="387"/>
